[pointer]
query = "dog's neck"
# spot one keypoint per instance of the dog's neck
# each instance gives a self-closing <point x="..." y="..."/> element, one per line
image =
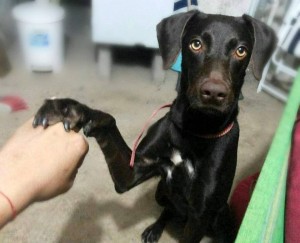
<point x="198" y="122"/>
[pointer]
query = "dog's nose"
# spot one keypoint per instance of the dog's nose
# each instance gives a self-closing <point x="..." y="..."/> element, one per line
<point x="213" y="91"/>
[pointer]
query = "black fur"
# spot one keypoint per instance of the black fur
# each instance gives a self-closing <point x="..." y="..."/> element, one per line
<point x="196" y="189"/>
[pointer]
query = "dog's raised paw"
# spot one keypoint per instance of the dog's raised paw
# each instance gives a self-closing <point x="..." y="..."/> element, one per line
<point x="46" y="115"/>
<point x="67" y="111"/>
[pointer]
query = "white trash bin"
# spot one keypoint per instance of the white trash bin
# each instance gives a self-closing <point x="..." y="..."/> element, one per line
<point x="40" y="27"/>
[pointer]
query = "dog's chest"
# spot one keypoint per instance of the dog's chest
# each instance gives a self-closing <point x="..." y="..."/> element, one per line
<point x="185" y="165"/>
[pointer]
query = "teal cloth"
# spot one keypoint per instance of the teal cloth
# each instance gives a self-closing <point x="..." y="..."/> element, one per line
<point x="177" y="65"/>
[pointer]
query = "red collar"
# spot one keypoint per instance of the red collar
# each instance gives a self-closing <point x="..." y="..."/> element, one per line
<point x="208" y="136"/>
<point x="219" y="134"/>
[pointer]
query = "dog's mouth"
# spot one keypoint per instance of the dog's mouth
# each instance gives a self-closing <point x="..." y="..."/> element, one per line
<point x="209" y="107"/>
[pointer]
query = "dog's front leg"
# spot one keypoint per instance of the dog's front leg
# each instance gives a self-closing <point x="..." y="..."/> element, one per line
<point x="215" y="223"/>
<point x="117" y="155"/>
<point x="102" y="126"/>
<point x="194" y="230"/>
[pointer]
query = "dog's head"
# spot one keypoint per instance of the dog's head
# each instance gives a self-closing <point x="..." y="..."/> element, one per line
<point x="216" y="51"/>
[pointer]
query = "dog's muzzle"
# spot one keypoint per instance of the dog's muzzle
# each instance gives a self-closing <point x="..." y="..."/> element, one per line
<point x="213" y="92"/>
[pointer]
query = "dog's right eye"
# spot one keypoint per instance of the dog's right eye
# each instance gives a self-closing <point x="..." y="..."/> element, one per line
<point x="241" y="52"/>
<point x="195" y="45"/>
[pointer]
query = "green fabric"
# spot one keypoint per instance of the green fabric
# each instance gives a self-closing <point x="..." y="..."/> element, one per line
<point x="264" y="218"/>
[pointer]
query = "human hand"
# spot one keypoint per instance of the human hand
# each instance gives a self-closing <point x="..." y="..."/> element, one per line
<point x="38" y="164"/>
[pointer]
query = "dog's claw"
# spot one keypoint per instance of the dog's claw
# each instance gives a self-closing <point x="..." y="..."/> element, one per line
<point x="67" y="126"/>
<point x="35" y="122"/>
<point x="45" y="122"/>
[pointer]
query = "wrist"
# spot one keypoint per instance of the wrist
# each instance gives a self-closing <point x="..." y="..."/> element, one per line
<point x="16" y="186"/>
<point x="19" y="192"/>
<point x="6" y="213"/>
<point x="11" y="205"/>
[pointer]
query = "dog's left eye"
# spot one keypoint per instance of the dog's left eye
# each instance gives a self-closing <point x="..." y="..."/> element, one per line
<point x="241" y="52"/>
<point x="195" y="45"/>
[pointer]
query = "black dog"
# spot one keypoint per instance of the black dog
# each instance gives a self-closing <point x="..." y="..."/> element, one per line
<point x="194" y="146"/>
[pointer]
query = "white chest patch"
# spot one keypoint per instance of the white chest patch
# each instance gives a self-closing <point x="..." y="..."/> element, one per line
<point x="176" y="157"/>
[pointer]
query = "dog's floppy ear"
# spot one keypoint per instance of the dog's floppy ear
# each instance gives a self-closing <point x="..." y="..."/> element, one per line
<point x="265" y="42"/>
<point x="169" y="32"/>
